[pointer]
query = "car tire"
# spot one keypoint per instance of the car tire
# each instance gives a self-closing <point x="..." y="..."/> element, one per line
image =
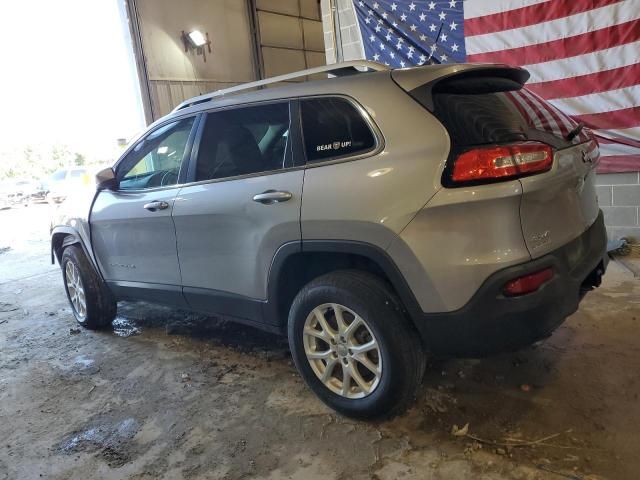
<point x="398" y="359"/>
<point x="92" y="303"/>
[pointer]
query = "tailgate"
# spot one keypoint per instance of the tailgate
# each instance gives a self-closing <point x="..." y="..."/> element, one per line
<point x="561" y="204"/>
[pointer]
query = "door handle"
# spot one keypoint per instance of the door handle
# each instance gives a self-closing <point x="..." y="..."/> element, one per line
<point x="272" y="196"/>
<point x="153" y="206"/>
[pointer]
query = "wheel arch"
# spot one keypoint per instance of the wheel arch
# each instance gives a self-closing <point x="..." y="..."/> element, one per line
<point x="64" y="236"/>
<point x="297" y="263"/>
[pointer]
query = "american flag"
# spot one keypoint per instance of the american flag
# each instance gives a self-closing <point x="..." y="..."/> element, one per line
<point x="583" y="55"/>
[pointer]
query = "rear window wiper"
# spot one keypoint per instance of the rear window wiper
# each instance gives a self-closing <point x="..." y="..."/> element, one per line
<point x="575" y="132"/>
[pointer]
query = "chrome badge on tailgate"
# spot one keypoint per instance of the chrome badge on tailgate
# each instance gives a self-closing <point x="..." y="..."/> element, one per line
<point x="538" y="240"/>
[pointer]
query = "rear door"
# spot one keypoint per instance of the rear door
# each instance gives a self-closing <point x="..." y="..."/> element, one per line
<point x="242" y="205"/>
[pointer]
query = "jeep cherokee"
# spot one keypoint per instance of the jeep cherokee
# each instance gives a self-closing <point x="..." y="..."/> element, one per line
<point x="375" y="217"/>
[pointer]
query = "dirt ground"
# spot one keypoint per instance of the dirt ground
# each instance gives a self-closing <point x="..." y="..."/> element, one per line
<point x="172" y="395"/>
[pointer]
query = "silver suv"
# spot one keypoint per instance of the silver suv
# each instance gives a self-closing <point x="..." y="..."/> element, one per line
<point x="376" y="217"/>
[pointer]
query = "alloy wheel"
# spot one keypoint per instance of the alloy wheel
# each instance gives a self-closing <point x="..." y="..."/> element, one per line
<point x="342" y="351"/>
<point x="75" y="290"/>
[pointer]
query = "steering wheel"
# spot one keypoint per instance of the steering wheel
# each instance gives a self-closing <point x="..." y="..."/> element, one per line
<point x="162" y="178"/>
<point x="170" y="177"/>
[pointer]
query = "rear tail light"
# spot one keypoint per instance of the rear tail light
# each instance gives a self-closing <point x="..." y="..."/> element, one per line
<point x="501" y="162"/>
<point x="527" y="283"/>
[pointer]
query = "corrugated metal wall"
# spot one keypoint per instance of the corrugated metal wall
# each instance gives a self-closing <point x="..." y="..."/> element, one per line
<point x="250" y="39"/>
<point x="174" y="75"/>
<point x="167" y="93"/>
<point x="290" y="33"/>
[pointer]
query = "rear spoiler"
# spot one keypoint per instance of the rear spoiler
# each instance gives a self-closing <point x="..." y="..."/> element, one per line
<point x="422" y="82"/>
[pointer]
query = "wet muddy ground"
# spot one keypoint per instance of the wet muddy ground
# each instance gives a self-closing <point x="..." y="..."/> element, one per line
<point x="169" y="394"/>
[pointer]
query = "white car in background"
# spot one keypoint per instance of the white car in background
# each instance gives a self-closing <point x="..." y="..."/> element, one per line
<point x="16" y="192"/>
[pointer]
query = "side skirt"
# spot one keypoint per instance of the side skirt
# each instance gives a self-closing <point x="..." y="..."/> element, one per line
<point x="236" y="308"/>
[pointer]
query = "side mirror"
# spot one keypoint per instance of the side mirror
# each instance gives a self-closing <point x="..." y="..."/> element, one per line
<point x="106" y="180"/>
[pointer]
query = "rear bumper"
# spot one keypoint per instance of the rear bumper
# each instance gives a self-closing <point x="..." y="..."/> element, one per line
<point x="491" y="322"/>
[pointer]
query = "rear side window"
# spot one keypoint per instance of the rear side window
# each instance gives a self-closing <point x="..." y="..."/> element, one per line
<point x="333" y="127"/>
<point x="243" y="141"/>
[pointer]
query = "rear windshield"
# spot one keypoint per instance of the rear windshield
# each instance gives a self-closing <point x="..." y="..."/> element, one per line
<point x="511" y="116"/>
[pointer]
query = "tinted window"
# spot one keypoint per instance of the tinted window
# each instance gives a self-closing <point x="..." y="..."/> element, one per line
<point x="77" y="173"/>
<point x="155" y="161"/>
<point x="499" y="117"/>
<point x="242" y="141"/>
<point x="333" y="127"/>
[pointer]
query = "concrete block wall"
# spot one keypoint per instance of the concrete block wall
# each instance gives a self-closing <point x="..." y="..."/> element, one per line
<point x="619" y="198"/>
<point x="349" y="41"/>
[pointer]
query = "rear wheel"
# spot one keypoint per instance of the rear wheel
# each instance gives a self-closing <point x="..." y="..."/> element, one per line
<point x="353" y="345"/>
<point x="91" y="302"/>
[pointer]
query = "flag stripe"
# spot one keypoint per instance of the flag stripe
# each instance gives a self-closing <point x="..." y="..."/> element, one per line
<point x="566" y="120"/>
<point x="630" y="136"/>
<point x="579" y="23"/>
<point x="527" y="109"/>
<point x="479" y="8"/>
<point x="627" y="143"/>
<point x="547" y="118"/>
<point x="521" y="106"/>
<point x="590" y="83"/>
<point x="564" y="47"/>
<point x="562" y="123"/>
<point x="611" y="148"/>
<point x="618" y="163"/>
<point x="584" y="64"/>
<point x="529" y="15"/>
<point x="626" y="118"/>
<point x="611" y="100"/>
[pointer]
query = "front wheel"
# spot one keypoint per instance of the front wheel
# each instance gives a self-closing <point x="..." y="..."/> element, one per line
<point x="354" y="346"/>
<point x="91" y="301"/>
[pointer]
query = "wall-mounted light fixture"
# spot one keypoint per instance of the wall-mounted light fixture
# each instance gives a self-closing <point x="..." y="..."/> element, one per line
<point x="195" y="40"/>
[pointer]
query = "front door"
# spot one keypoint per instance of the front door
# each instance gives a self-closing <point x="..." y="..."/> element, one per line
<point x="244" y="204"/>
<point x="132" y="230"/>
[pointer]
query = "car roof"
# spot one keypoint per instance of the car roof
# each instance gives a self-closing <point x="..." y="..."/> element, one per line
<point x="345" y="84"/>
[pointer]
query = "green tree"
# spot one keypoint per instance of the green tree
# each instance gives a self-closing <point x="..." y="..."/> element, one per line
<point x="79" y="159"/>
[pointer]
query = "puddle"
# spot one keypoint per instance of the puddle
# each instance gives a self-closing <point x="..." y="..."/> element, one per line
<point x="84" y="365"/>
<point x="101" y="435"/>
<point x="135" y="316"/>
<point x="124" y="327"/>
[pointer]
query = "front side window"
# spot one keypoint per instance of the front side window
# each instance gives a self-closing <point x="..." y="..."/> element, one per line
<point x="333" y="127"/>
<point x="155" y="161"/>
<point x="243" y="141"/>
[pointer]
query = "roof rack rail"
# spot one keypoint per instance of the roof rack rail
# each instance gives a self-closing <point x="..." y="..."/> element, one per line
<point x="337" y="69"/>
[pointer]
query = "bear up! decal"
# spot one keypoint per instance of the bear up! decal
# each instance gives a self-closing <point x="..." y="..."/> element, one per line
<point x="333" y="146"/>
